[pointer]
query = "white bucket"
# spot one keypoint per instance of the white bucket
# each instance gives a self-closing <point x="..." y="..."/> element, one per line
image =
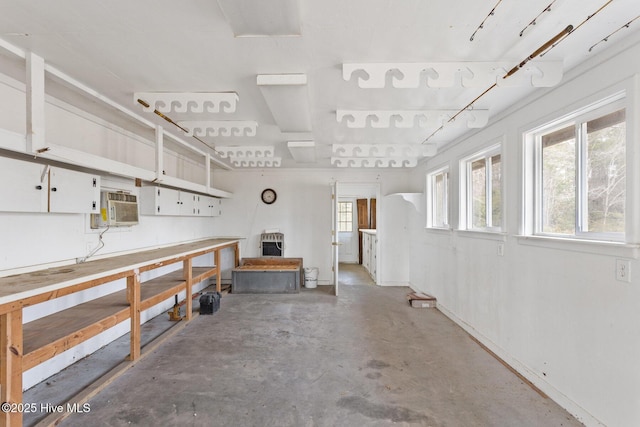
<point x="311" y="277"/>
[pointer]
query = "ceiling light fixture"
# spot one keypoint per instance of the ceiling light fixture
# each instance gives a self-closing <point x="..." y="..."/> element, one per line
<point x="264" y="18"/>
<point x="606" y="39"/>
<point x="481" y="26"/>
<point x="533" y="22"/>
<point x="302" y="151"/>
<point x="288" y="99"/>
<point x="538" y="52"/>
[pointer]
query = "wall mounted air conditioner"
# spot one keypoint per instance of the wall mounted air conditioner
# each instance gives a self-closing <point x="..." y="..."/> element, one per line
<point x="117" y="209"/>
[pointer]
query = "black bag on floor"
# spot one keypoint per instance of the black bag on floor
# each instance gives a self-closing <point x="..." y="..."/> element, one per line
<point x="209" y="302"/>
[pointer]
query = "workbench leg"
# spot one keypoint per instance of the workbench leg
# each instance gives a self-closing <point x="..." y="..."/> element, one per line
<point x="133" y="295"/>
<point x="237" y="255"/>
<point x="216" y="260"/>
<point x="11" y="366"/>
<point x="188" y="278"/>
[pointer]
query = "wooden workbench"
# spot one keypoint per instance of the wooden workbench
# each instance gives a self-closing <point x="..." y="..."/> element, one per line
<point x="24" y="346"/>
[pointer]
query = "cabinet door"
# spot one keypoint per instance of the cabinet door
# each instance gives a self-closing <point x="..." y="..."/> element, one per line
<point x="216" y="206"/>
<point x="189" y="204"/>
<point x="149" y="201"/>
<point x="23" y="186"/>
<point x="374" y="256"/>
<point x="73" y="192"/>
<point x="209" y="206"/>
<point x="365" y="250"/>
<point x="168" y="201"/>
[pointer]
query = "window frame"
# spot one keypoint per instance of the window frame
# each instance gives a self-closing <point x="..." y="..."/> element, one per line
<point x="432" y="201"/>
<point x="578" y="119"/>
<point x="340" y="222"/>
<point x="466" y="193"/>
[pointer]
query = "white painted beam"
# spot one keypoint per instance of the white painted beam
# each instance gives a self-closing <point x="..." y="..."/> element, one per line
<point x="207" y="171"/>
<point x="159" y="154"/>
<point x="98" y="163"/>
<point x="35" y="103"/>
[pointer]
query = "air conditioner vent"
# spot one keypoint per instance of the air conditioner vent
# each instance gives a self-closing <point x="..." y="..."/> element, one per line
<point x="117" y="209"/>
<point x="122" y="197"/>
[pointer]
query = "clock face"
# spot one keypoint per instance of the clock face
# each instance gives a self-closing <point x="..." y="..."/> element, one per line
<point x="269" y="196"/>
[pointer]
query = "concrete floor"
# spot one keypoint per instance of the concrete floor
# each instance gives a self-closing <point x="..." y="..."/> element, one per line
<point x="309" y="359"/>
<point x="353" y="274"/>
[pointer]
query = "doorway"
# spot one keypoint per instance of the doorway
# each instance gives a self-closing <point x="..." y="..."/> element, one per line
<point x="357" y="208"/>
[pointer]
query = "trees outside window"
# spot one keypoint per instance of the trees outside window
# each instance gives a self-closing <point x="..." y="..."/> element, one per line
<point x="483" y="195"/>
<point x="438" y="199"/>
<point x="581" y="176"/>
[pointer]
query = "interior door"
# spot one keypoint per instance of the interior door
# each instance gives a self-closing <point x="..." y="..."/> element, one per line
<point x="335" y="243"/>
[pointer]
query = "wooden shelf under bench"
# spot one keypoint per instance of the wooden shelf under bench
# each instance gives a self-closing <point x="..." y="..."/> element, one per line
<point x="23" y="347"/>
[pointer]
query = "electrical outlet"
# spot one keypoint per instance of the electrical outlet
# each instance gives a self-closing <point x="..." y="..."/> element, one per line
<point x="623" y="270"/>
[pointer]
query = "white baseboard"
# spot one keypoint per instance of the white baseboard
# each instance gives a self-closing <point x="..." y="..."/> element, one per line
<point x="389" y="283"/>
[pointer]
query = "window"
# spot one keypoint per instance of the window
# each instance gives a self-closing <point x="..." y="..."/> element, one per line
<point x="482" y="175"/>
<point x="438" y="199"/>
<point x="345" y="216"/>
<point x="580" y="181"/>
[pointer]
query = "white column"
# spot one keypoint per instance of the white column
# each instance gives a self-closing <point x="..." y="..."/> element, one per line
<point x="35" y="103"/>
<point x="159" y="154"/>
<point x="207" y="170"/>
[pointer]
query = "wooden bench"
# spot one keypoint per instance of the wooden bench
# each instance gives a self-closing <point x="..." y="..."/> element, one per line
<point x="269" y="275"/>
<point x="23" y="347"/>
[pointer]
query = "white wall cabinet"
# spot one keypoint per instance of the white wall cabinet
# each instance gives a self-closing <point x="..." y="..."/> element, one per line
<point x="170" y="202"/>
<point x="32" y="187"/>
<point x="212" y="206"/>
<point x="23" y="186"/>
<point x="369" y="252"/>
<point x="73" y="192"/>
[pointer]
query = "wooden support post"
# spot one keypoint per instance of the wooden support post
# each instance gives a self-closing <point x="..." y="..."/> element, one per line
<point x="237" y="255"/>
<point x="216" y="260"/>
<point x="188" y="278"/>
<point x="133" y="296"/>
<point x="11" y="366"/>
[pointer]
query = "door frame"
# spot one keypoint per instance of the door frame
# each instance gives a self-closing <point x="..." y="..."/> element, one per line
<point x="350" y="189"/>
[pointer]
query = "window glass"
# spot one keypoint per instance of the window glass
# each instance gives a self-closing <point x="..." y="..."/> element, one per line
<point x="606" y="173"/>
<point x="438" y="208"/>
<point x="559" y="181"/>
<point x="478" y="194"/>
<point x="481" y="201"/>
<point x="345" y="216"/>
<point x="579" y="188"/>
<point x="496" y="191"/>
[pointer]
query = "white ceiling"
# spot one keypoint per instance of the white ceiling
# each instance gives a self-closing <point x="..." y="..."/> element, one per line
<point x="123" y="47"/>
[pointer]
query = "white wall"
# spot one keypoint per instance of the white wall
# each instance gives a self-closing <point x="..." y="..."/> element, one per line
<point x="553" y="310"/>
<point x="303" y="213"/>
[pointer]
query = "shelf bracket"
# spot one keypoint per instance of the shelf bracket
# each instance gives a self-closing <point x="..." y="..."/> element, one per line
<point x="416" y="199"/>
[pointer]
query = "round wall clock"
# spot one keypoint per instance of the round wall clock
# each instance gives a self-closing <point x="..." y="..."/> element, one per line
<point x="269" y="196"/>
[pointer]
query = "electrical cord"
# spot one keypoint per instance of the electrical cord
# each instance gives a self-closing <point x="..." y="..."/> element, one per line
<point x="93" y="252"/>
